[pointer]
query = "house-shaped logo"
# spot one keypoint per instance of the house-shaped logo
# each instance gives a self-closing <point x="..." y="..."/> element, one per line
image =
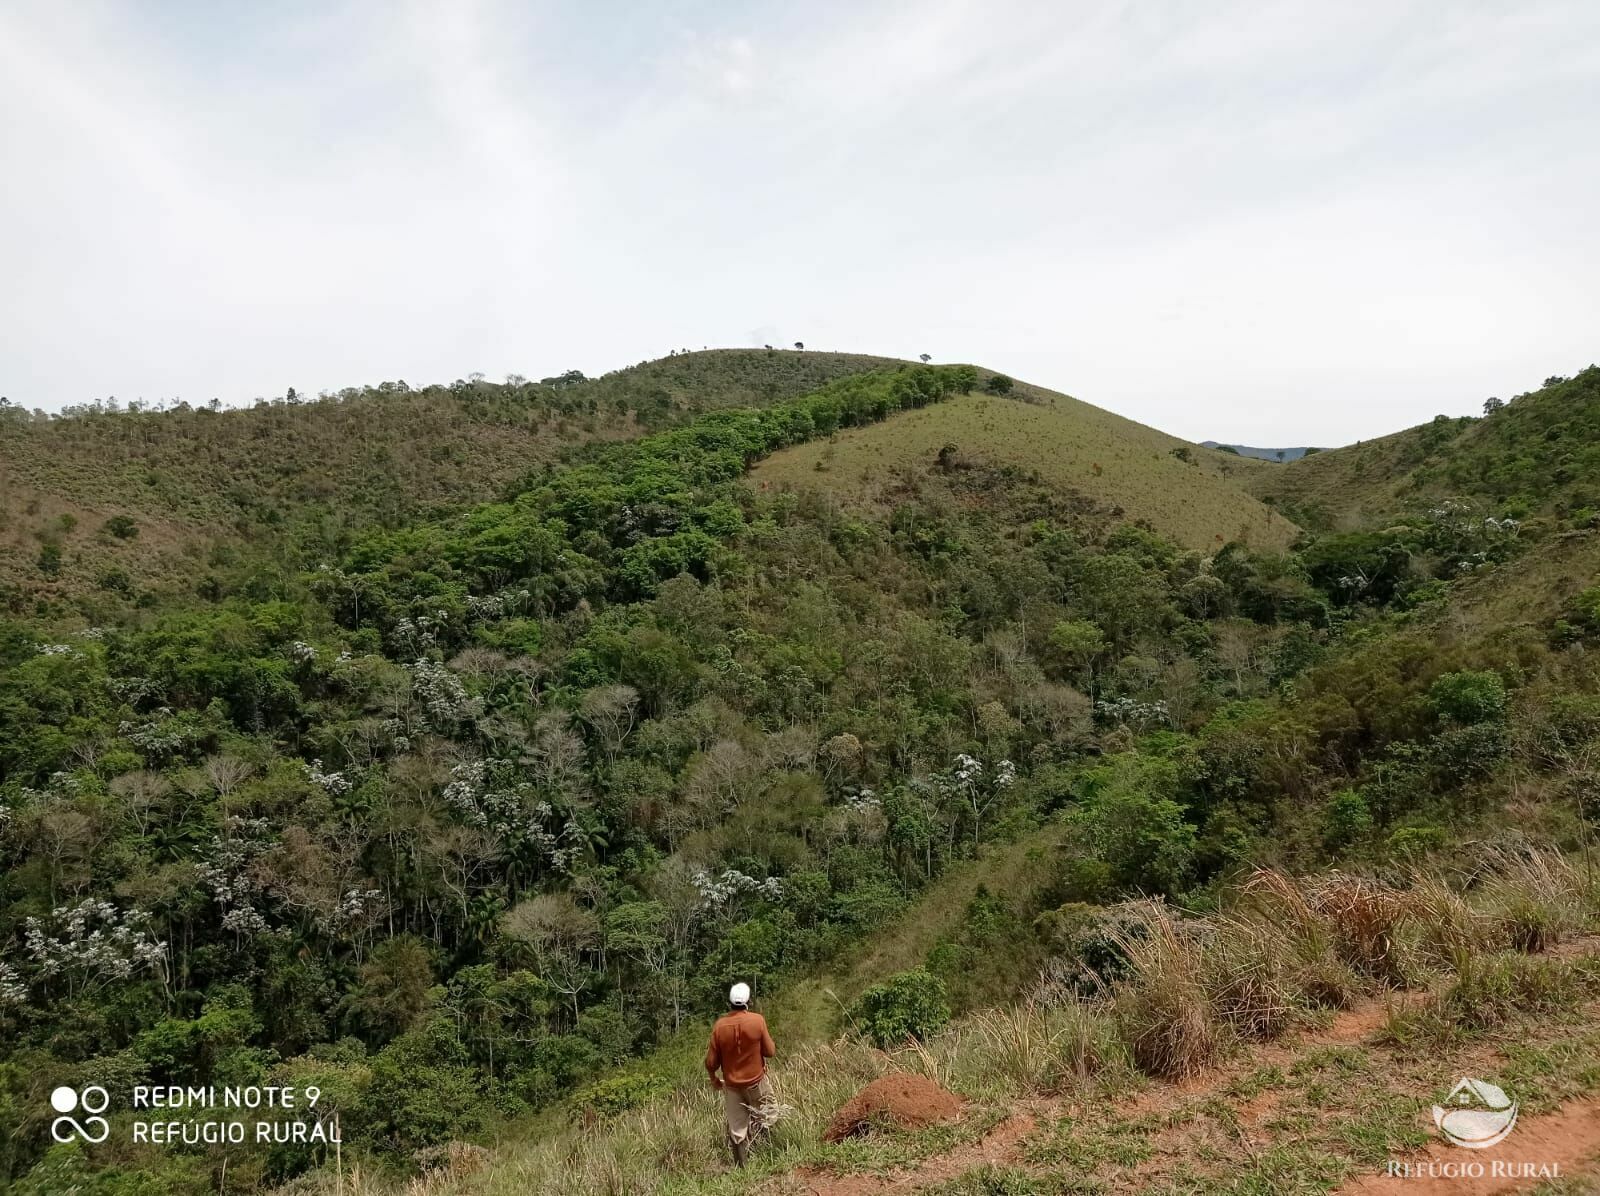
<point x="1476" y="1114"/>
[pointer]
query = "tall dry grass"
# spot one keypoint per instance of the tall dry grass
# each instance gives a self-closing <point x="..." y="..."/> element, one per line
<point x="1536" y="898"/>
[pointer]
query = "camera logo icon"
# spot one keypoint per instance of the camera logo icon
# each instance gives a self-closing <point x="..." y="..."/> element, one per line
<point x="92" y="1100"/>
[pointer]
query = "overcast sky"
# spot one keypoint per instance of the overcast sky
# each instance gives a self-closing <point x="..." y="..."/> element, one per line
<point x="1278" y="224"/>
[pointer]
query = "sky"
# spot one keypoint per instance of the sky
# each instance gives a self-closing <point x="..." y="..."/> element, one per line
<point x="1275" y="224"/>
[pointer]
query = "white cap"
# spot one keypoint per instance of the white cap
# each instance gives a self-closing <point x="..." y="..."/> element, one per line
<point x="739" y="994"/>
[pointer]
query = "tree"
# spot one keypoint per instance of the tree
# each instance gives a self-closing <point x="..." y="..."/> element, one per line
<point x="557" y="933"/>
<point x="611" y="711"/>
<point x="1492" y="404"/>
<point x="1076" y="645"/>
<point x="1130" y="817"/>
<point x="1469" y="697"/>
<point x="393" y="990"/>
<point x="800" y="345"/>
<point x="121" y="526"/>
<point x="999" y="384"/>
<point x="924" y="358"/>
<point x="910" y="1005"/>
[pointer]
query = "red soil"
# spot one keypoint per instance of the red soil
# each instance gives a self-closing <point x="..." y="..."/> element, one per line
<point x="1563" y="1144"/>
<point x="900" y="1099"/>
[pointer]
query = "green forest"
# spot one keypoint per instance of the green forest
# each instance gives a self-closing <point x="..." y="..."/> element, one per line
<point x="455" y="811"/>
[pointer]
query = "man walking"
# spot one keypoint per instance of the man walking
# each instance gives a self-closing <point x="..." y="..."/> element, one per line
<point x="740" y="1047"/>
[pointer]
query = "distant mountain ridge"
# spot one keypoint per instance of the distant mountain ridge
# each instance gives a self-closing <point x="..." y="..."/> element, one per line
<point x="1262" y="454"/>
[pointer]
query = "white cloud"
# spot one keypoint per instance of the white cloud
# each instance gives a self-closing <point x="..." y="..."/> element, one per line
<point x="1279" y="223"/>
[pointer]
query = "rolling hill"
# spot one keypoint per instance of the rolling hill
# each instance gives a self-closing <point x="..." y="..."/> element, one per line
<point x="870" y="690"/>
<point x="192" y="488"/>
<point x="1192" y="494"/>
<point x="1536" y="455"/>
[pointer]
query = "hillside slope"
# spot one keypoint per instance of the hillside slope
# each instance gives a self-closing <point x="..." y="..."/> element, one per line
<point x="497" y="802"/>
<point x="193" y="484"/>
<point x="1181" y="490"/>
<point x="1537" y="455"/>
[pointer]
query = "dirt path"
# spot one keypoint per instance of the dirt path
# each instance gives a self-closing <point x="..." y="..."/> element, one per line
<point x="1558" y="1145"/>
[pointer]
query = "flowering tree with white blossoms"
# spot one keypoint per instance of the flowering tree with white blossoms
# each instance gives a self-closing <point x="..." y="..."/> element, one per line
<point x="12" y="990"/>
<point x="80" y="948"/>
<point x="485" y="794"/>
<point x="229" y="874"/>
<point x="1132" y="713"/>
<point x="443" y="697"/>
<point x="978" y="792"/>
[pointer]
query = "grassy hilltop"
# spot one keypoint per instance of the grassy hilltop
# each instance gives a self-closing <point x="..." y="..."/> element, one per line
<point x="1190" y="494"/>
<point x="977" y="761"/>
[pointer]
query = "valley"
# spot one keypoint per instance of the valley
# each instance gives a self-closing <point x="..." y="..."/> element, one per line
<point x="452" y="749"/>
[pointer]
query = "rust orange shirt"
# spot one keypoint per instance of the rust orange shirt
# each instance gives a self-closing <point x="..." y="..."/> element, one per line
<point x="740" y="1046"/>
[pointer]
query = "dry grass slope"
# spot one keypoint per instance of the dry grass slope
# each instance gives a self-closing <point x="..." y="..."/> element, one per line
<point x="1351" y="487"/>
<point x="1201" y="503"/>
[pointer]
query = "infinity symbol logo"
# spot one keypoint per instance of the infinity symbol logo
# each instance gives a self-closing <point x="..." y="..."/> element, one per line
<point x="92" y="1099"/>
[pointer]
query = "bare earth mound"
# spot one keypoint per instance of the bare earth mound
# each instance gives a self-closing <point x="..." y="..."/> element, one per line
<point x="899" y="1099"/>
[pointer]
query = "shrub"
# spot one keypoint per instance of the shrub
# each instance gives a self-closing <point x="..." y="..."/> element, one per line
<point x="1087" y="942"/>
<point x="121" y="526"/>
<point x="998" y="384"/>
<point x="422" y="1091"/>
<point x="1347" y="820"/>
<point x="1469" y="697"/>
<point x="1470" y="751"/>
<point x="115" y="580"/>
<point x="1410" y="842"/>
<point x="910" y="1005"/>
<point x="1580" y="620"/>
<point x="617" y="1094"/>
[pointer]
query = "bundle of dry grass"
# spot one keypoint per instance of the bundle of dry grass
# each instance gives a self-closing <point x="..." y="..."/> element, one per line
<point x="1163" y="1010"/>
<point x="1535" y="898"/>
<point x="1364" y="917"/>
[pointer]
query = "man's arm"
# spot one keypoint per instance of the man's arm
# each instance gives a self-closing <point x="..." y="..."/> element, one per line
<point x="713" y="1060"/>
<point x="768" y="1050"/>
